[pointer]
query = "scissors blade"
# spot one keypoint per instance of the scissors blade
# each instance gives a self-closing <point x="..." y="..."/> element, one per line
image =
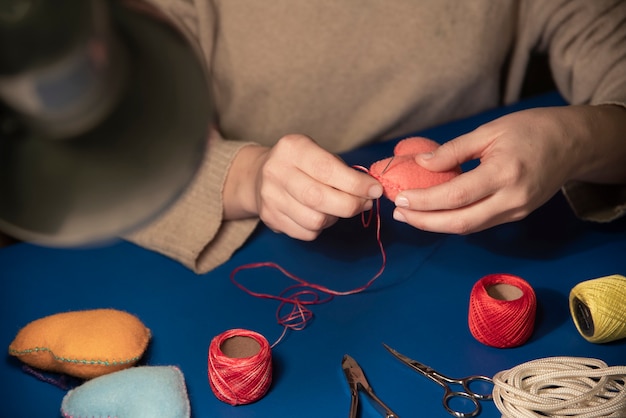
<point x="414" y="364"/>
<point x="356" y="380"/>
<point x="445" y="382"/>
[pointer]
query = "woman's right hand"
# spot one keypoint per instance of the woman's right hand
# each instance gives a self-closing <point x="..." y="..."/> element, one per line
<point x="296" y="187"/>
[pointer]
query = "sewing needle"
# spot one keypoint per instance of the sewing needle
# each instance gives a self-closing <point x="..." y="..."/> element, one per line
<point x="387" y="166"/>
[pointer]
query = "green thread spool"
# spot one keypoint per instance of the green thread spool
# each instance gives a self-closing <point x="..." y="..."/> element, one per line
<point x="598" y="307"/>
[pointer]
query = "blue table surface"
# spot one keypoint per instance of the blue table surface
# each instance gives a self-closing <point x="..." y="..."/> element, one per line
<point x="419" y="305"/>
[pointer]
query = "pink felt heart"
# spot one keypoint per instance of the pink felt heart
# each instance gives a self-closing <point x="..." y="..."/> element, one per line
<point x="404" y="173"/>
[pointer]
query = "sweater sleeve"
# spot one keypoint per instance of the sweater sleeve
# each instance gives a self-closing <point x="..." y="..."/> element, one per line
<point x="193" y="230"/>
<point x="586" y="43"/>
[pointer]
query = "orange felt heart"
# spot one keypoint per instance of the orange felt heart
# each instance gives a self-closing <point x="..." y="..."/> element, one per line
<point x="85" y="344"/>
<point x="404" y="173"/>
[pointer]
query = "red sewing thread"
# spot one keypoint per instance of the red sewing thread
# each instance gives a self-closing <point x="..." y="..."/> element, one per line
<point x="502" y="310"/>
<point x="240" y="366"/>
<point x="304" y="293"/>
<point x="244" y="379"/>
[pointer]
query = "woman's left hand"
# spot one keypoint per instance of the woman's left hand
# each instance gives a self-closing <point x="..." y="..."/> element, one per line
<point x="525" y="158"/>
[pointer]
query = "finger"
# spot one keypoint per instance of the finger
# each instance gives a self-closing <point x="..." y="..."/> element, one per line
<point x="338" y="175"/>
<point x="329" y="169"/>
<point x="461" y="191"/>
<point x="455" y="152"/>
<point x="324" y="198"/>
<point x="463" y="221"/>
<point x="299" y="222"/>
<point x="290" y="228"/>
<point x="281" y="212"/>
<point x="308" y="218"/>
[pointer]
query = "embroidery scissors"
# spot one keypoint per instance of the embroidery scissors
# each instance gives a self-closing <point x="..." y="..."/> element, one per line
<point x="357" y="381"/>
<point x="444" y="381"/>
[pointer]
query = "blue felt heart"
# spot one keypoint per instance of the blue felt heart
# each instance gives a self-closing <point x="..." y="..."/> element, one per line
<point x="138" y="392"/>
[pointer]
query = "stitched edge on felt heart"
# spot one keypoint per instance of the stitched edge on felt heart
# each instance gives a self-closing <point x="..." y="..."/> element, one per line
<point x="387" y="184"/>
<point x="35" y="350"/>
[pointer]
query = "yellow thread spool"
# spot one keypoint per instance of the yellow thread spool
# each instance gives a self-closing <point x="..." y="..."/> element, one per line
<point x="598" y="307"/>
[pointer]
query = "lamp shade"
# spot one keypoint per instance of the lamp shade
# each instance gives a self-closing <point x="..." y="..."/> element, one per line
<point x="104" y="136"/>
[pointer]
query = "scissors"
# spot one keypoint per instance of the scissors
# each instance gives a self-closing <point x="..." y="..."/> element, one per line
<point x="446" y="382"/>
<point x="357" y="381"/>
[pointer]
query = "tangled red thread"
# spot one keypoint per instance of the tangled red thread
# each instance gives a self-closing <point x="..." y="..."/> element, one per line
<point x="499" y="321"/>
<point x="304" y="294"/>
<point x="239" y="380"/>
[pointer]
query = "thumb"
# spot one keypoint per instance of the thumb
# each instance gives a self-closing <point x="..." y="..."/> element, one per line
<point x="446" y="157"/>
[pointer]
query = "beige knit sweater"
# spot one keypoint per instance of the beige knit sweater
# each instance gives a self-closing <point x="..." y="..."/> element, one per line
<point x="349" y="72"/>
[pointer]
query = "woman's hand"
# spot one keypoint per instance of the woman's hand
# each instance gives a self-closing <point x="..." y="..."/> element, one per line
<point x="525" y="158"/>
<point x="296" y="187"/>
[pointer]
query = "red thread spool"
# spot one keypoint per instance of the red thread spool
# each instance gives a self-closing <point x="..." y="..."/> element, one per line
<point x="502" y="310"/>
<point x="240" y="366"/>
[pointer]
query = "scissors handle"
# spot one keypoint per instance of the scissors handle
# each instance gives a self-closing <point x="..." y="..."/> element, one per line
<point x="449" y="395"/>
<point x="467" y="381"/>
<point x="354" y="404"/>
<point x="380" y="406"/>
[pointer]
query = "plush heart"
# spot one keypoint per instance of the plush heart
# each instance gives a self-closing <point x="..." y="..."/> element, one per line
<point x="85" y="344"/>
<point x="138" y="392"/>
<point x="401" y="172"/>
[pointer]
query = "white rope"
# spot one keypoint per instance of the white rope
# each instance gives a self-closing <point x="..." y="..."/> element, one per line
<point x="561" y="387"/>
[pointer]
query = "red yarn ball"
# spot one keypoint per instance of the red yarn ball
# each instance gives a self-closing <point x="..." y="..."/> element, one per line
<point x="240" y="366"/>
<point x="502" y="310"/>
<point x="404" y="173"/>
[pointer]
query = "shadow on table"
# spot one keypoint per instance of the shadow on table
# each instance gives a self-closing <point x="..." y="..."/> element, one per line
<point x="547" y="233"/>
<point x="549" y="318"/>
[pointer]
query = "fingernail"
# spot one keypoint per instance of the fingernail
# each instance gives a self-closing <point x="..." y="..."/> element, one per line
<point x="398" y="216"/>
<point x="426" y="155"/>
<point x="375" y="191"/>
<point x="402" y="202"/>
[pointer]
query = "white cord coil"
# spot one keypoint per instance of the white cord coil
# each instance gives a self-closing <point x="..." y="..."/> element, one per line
<point x="561" y="387"/>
